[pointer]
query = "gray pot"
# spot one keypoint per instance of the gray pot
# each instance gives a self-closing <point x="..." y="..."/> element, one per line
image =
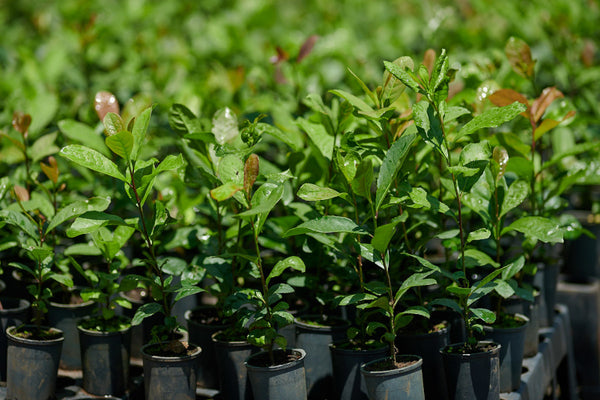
<point x="170" y="377"/>
<point x="279" y="382"/>
<point x="516" y="305"/>
<point x="32" y="366"/>
<point x="105" y="361"/>
<point x="232" y="374"/>
<point x="395" y="384"/>
<point x="15" y="312"/>
<point x="474" y="376"/>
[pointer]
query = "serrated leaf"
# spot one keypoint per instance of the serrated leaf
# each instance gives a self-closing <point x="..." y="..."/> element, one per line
<point x="392" y="163"/>
<point x="491" y="118"/>
<point x="312" y="192"/>
<point x="92" y="159"/>
<point x="327" y="224"/>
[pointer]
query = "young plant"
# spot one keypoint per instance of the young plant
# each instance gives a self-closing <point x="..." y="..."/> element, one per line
<point x="126" y="138"/>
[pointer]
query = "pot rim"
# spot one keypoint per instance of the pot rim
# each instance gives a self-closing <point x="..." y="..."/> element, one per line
<point x="93" y="332"/>
<point x="196" y="353"/>
<point x="491" y="328"/>
<point x="23" y="305"/>
<point x="333" y="348"/>
<point x="46" y="342"/>
<point x="189" y="320"/>
<point x="468" y="356"/>
<point x="396" y="371"/>
<point x="279" y="367"/>
<point x="299" y="321"/>
<point x="233" y="343"/>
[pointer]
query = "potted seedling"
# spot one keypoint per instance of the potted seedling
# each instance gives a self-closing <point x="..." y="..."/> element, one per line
<point x="126" y="138"/>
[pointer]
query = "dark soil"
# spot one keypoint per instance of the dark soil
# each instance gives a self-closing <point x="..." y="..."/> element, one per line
<point x="207" y="316"/>
<point x="67" y="297"/>
<point x="359" y="346"/>
<point x="388" y="364"/>
<point x="424" y="327"/>
<point x="32" y="333"/>
<point x="281" y="357"/>
<point x="232" y="335"/>
<point x="508" y="321"/>
<point x="99" y="324"/>
<point x="463" y="348"/>
<point x="173" y="348"/>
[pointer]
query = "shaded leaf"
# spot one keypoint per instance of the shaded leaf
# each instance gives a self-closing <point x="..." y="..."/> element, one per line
<point x="519" y="56"/>
<point x="537" y="228"/>
<point x="292" y="262"/>
<point x="392" y="163"/>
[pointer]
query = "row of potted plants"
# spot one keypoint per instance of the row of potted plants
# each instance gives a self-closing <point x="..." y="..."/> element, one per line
<point x="400" y="208"/>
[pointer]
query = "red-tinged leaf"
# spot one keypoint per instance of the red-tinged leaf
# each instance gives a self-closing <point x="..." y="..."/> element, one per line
<point x="105" y="102"/>
<point x="50" y="169"/>
<point x="519" y="56"/>
<point x="21" y="193"/>
<point x="113" y="124"/>
<point x="429" y="60"/>
<point x="588" y="53"/>
<point x="282" y="55"/>
<point x="306" y="48"/>
<point x="250" y="172"/>
<point x="544" y="127"/>
<point x="504" y="97"/>
<point x="21" y="122"/>
<point x="539" y="105"/>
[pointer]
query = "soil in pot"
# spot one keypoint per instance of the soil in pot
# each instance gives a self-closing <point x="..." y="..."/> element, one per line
<point x="285" y="380"/>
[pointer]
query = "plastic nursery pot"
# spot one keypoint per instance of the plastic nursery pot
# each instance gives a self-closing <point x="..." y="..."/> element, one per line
<point x="387" y="383"/>
<point x="346" y="361"/>
<point x="232" y="373"/>
<point x="286" y="380"/>
<point x="202" y="323"/>
<point x="170" y="377"/>
<point x="314" y="336"/>
<point x="472" y="376"/>
<point x="140" y="334"/>
<point x="516" y="305"/>
<point x="427" y="346"/>
<point x="546" y="279"/>
<point x="64" y="316"/>
<point x="32" y="365"/>
<point x="14" y="313"/>
<point x="105" y="361"/>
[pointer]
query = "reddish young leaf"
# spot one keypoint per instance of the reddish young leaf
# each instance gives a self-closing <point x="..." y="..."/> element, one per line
<point x="505" y="97"/>
<point x="306" y="48"/>
<point x="21" y="122"/>
<point x="21" y="193"/>
<point x="50" y="169"/>
<point x="429" y="60"/>
<point x="105" y="102"/>
<point x="540" y="104"/>
<point x="282" y="55"/>
<point x="519" y="56"/>
<point x="250" y="173"/>
<point x="588" y="53"/>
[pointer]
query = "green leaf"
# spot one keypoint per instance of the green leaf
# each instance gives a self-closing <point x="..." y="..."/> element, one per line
<point x="182" y="120"/>
<point x="355" y="298"/>
<point x="62" y="279"/>
<point x="327" y="224"/>
<point x="43" y="147"/>
<point x="383" y="235"/>
<point x="415" y="280"/>
<point x="140" y="126"/>
<point x="440" y="70"/>
<point x="312" y="192"/>
<point x="373" y="326"/>
<point x="290" y="137"/>
<point x="91" y="221"/>
<point x="348" y="164"/>
<point x="400" y="73"/>
<point x="516" y="194"/>
<point x="83" y="134"/>
<point x="113" y="124"/>
<point x="503" y="288"/>
<point x="479" y="234"/>
<point x="76" y="209"/>
<point x="477" y="258"/>
<point x="449" y="234"/>
<point x="513" y="268"/>
<point x="484" y="314"/>
<point x="91" y="159"/>
<point x="20" y="221"/>
<point x="363" y="180"/>
<point x="449" y="303"/>
<point x="318" y="135"/>
<point x="264" y="199"/>
<point x="225" y="191"/>
<point x="186" y="291"/>
<point x="145" y="311"/>
<point x="453" y="113"/>
<point x="537" y="228"/>
<point x="392" y="163"/>
<point x="429" y="126"/>
<point x="22" y="267"/>
<point x="292" y="262"/>
<point x="492" y="118"/>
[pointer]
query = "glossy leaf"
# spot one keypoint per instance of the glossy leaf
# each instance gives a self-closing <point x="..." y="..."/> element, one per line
<point x="399" y="71"/>
<point x="327" y="224"/>
<point x="516" y="194"/>
<point x="91" y="221"/>
<point x="484" y="314"/>
<point x="537" y="228"/>
<point x="113" y="124"/>
<point x="20" y="221"/>
<point x="290" y="137"/>
<point x="251" y="168"/>
<point x="505" y="97"/>
<point x="477" y="258"/>
<point x="121" y="144"/>
<point x="440" y="69"/>
<point x="519" y="56"/>
<point x="491" y="118"/>
<point x="312" y="192"/>
<point x="225" y="191"/>
<point x="76" y="209"/>
<point x="50" y="169"/>
<point x="140" y="126"/>
<point x="145" y="311"/>
<point x="292" y="262"/>
<point x="363" y="180"/>
<point x="539" y="105"/>
<point x="392" y="163"/>
<point x="318" y="135"/>
<point x="225" y="126"/>
<point x="105" y="102"/>
<point x="181" y="119"/>
<point x="479" y="234"/>
<point x="429" y="126"/>
<point x="383" y="235"/>
<point x="92" y="159"/>
<point x="83" y="134"/>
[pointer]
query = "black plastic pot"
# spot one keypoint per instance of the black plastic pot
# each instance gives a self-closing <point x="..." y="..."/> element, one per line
<point x="512" y="342"/>
<point x="517" y="305"/>
<point x="105" y="361"/>
<point x="65" y="318"/>
<point x="14" y="313"/>
<point x="279" y="382"/>
<point x="546" y="279"/>
<point x="201" y="335"/>
<point x="427" y="346"/>
<point x="170" y="377"/>
<point x="582" y="255"/>
<point x="347" y="379"/>
<point x="315" y="340"/>
<point x="395" y="384"/>
<point x="232" y="374"/>
<point x="140" y="334"/>
<point x="32" y="366"/>
<point x="474" y="376"/>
